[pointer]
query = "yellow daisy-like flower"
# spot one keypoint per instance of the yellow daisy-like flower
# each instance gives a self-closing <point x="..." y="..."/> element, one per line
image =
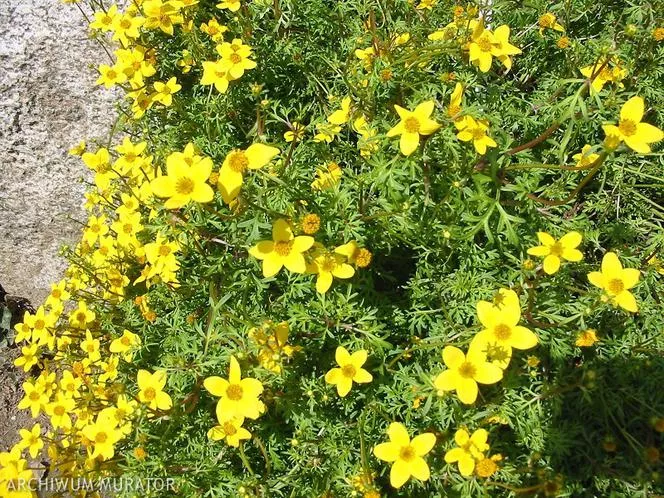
<point x="501" y="329"/>
<point x="232" y="5"/>
<point x="631" y="130"/>
<point x="328" y="265"/>
<point x="549" y="21"/>
<point x="475" y="131"/>
<point x="151" y="390"/>
<point x="501" y="38"/>
<point x="406" y="455"/>
<point x="483" y="47"/>
<point x="285" y="249"/>
<point x="231" y="174"/>
<point x="239" y="397"/>
<point x="586" y="338"/>
<point x="553" y="251"/>
<point x="185" y="180"/>
<point x="454" y="109"/>
<point x="342" y="115"/>
<point x="231" y="431"/>
<point x="469" y="451"/>
<point x="413" y="124"/>
<point x="616" y="281"/>
<point x="235" y="58"/>
<point x="350" y="370"/>
<point x="585" y="158"/>
<point x="464" y="372"/>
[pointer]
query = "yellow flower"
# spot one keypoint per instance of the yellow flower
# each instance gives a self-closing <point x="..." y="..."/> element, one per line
<point x="469" y="450"/>
<point x="165" y="91"/>
<point x="465" y="371"/>
<point x="162" y="15"/>
<point x="151" y="390"/>
<point x="585" y="157"/>
<point x="215" y="73"/>
<point x="231" y="174"/>
<point x="469" y="129"/>
<point x="631" y="130"/>
<point x="29" y="357"/>
<point x="327" y="176"/>
<point x="616" y="281"/>
<point x="501" y="40"/>
<point x="483" y="47"/>
<point x="31" y="440"/>
<point x="554" y="250"/>
<point x="232" y="5"/>
<point x="103" y="434"/>
<point x="406" y="454"/>
<point x="586" y="338"/>
<point x="235" y="58"/>
<point x="185" y="180"/>
<point x="329" y="265"/>
<point x="350" y="370"/>
<point x="658" y="34"/>
<point x="342" y="115"/>
<point x="213" y="29"/>
<point x="326" y="132"/>
<point x="231" y="431"/>
<point x="78" y="149"/>
<point x="413" y="124"/>
<point x="90" y="346"/>
<point x="110" y="75"/>
<point x="283" y="250"/>
<point x="296" y="132"/>
<point x="604" y="72"/>
<point x="35" y="399"/>
<point x="563" y="42"/>
<point x="239" y="397"/>
<point x="104" y="20"/>
<point x="548" y="21"/>
<point x="488" y="466"/>
<point x="59" y="409"/>
<point x="501" y="330"/>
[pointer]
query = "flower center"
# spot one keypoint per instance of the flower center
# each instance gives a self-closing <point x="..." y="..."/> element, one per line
<point x="234" y="392"/>
<point x="127" y="228"/>
<point x="478" y="133"/>
<point x="101" y="438"/>
<point x="125" y="341"/>
<point x="556" y="249"/>
<point x="184" y="185"/>
<point x="59" y="411"/>
<point x="616" y="286"/>
<point x="150" y="393"/>
<point x="40" y="324"/>
<point x="80" y="317"/>
<point x="502" y="332"/>
<point x="229" y="429"/>
<point x="236" y="58"/>
<point x="348" y="371"/>
<point x="328" y="265"/>
<point x="238" y="161"/>
<point x="467" y="370"/>
<point x="484" y="43"/>
<point x="407" y="453"/>
<point x="34" y="396"/>
<point x="56" y="293"/>
<point x="412" y="125"/>
<point x="627" y="127"/>
<point x="283" y="247"/>
<point x="164" y="250"/>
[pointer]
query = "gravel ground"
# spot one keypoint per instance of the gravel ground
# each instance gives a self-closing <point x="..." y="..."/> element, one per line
<point x="48" y="103"/>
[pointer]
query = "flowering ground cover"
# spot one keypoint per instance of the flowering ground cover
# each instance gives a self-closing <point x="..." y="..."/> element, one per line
<point x="363" y="248"/>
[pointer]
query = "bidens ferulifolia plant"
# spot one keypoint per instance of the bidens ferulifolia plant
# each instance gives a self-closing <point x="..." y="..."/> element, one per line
<point x="364" y="248"/>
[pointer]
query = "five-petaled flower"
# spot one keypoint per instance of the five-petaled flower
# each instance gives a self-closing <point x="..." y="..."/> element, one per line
<point x="553" y="251"/>
<point x="470" y="450"/>
<point x="616" y="281"/>
<point x="285" y="249"/>
<point x="350" y="370"/>
<point x="631" y="130"/>
<point x="413" y="124"/>
<point x="239" y="397"/>
<point x="465" y="371"/>
<point x="405" y="454"/>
